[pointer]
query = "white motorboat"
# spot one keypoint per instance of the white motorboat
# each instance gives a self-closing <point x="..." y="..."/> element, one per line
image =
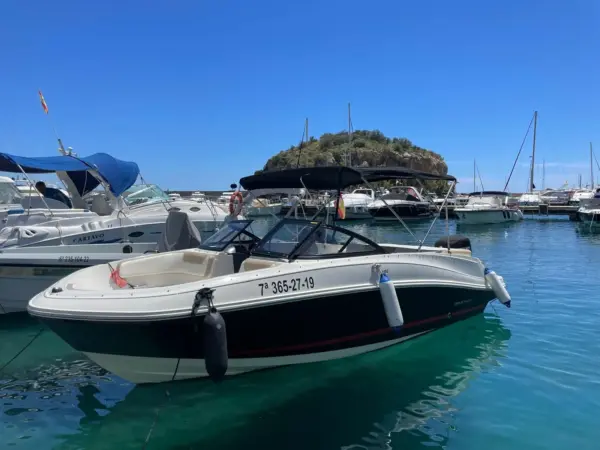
<point x="307" y="291"/>
<point x="16" y="203"/>
<point x="487" y="207"/>
<point x="133" y="213"/>
<point x="401" y="201"/>
<point x="10" y="197"/>
<point x="198" y="196"/>
<point x="555" y="197"/>
<point x="26" y="271"/>
<point x="260" y="207"/>
<point x="580" y="194"/>
<point x="356" y="204"/>
<point x="530" y="199"/>
<point x="589" y="212"/>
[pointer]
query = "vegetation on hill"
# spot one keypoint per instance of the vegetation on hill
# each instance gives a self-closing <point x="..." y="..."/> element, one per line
<point x="365" y="149"/>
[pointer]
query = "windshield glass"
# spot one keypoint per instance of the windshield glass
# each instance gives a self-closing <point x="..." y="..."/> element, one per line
<point x="492" y="200"/>
<point x="235" y="231"/>
<point x="144" y="193"/>
<point x="295" y="238"/>
<point x="9" y="194"/>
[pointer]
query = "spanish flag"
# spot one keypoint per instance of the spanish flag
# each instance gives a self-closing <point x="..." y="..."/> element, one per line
<point x="341" y="209"/>
<point x="43" y="102"/>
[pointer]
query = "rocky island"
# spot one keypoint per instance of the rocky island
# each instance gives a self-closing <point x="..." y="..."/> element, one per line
<point x="365" y="149"/>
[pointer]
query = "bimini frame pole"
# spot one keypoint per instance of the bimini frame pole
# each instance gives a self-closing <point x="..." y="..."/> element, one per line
<point x="444" y="204"/>
<point x="392" y="210"/>
<point x="43" y="200"/>
<point x="36" y="191"/>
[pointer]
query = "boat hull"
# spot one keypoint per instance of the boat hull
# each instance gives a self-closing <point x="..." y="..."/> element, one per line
<point x="407" y="211"/>
<point x="21" y="280"/>
<point x="473" y="216"/>
<point x="296" y="332"/>
<point x="590" y="219"/>
<point x="18" y="284"/>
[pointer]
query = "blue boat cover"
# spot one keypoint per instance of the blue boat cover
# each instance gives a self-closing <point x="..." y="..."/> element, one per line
<point x="120" y="175"/>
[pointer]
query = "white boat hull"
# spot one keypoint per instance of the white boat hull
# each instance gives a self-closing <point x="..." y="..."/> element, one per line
<point x="142" y="370"/>
<point x="142" y="229"/>
<point x="475" y="216"/>
<point x="266" y="304"/>
<point x="25" y="272"/>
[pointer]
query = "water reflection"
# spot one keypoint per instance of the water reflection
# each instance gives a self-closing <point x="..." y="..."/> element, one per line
<point x="400" y="397"/>
<point x="42" y="403"/>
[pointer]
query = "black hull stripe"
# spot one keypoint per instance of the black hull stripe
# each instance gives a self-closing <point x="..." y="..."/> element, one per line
<point x="309" y="326"/>
<point x="357" y="337"/>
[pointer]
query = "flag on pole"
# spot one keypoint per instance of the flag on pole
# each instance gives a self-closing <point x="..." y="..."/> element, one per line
<point x="43" y="102"/>
<point x="341" y="208"/>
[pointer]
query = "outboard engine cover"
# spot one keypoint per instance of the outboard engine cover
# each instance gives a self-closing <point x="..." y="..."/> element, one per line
<point x="179" y="234"/>
<point x="453" y="241"/>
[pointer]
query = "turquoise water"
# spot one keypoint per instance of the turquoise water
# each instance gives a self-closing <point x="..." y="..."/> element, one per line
<point x="520" y="378"/>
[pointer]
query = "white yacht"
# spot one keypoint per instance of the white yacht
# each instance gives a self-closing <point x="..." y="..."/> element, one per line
<point x="198" y="196"/>
<point x="530" y="199"/>
<point x="262" y="206"/>
<point x="25" y="271"/>
<point x="589" y="212"/>
<point x="20" y="204"/>
<point x="580" y="194"/>
<point x="401" y="201"/>
<point x="356" y="204"/>
<point x="10" y="197"/>
<point x="487" y="207"/>
<point x="127" y="213"/>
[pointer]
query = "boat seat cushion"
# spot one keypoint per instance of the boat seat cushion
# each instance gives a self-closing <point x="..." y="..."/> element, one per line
<point x="256" y="264"/>
<point x="168" y="269"/>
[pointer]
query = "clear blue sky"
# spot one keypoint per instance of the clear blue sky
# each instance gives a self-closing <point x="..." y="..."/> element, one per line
<point x="201" y="93"/>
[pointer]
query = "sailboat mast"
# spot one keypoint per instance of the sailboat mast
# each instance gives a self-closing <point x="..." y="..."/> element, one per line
<point x="591" y="167"/>
<point x="474" y="176"/>
<point x="306" y="130"/>
<point x="544" y="174"/>
<point x="531" y="185"/>
<point x="348" y="157"/>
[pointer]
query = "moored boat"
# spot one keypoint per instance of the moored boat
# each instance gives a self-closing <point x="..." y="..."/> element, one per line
<point x="307" y="291"/>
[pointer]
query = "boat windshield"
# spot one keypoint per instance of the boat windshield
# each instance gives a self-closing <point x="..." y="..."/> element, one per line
<point x="486" y="200"/>
<point x="303" y="239"/>
<point x="144" y="193"/>
<point x="9" y="194"/>
<point x="234" y="232"/>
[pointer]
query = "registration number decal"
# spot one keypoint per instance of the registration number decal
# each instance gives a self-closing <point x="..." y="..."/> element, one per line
<point x="289" y="285"/>
<point x="73" y="259"/>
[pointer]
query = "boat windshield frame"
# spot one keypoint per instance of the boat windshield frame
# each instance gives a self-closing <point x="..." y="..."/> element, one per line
<point x="10" y="193"/>
<point x="160" y="197"/>
<point x="316" y="230"/>
<point x="229" y="235"/>
<point x="320" y="178"/>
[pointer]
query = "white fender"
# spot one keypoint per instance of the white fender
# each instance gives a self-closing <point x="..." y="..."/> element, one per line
<point x="391" y="304"/>
<point x="497" y="284"/>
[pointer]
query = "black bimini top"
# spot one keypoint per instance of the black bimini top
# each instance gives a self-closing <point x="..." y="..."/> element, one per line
<point x="489" y="193"/>
<point x="332" y="177"/>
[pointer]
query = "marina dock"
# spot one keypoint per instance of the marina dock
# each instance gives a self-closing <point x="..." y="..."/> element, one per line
<point x="552" y="210"/>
